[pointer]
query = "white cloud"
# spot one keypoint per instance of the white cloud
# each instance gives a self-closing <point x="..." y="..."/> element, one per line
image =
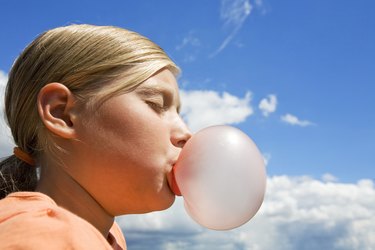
<point x="6" y="143"/>
<point x="189" y="46"/>
<point x="298" y="213"/>
<point x="268" y="105"/>
<point x="233" y="14"/>
<point x="189" y="40"/>
<point x="205" y="108"/>
<point x="327" y="177"/>
<point x="294" y="120"/>
<point x="266" y="158"/>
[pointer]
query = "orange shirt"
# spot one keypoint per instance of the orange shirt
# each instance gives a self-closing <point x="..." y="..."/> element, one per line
<point x="32" y="220"/>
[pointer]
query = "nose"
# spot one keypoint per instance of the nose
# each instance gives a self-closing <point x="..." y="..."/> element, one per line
<point x="180" y="133"/>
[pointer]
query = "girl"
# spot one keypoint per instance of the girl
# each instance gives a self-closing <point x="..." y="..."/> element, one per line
<point x="94" y="112"/>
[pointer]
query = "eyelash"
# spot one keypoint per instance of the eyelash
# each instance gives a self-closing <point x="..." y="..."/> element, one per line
<point x="157" y="107"/>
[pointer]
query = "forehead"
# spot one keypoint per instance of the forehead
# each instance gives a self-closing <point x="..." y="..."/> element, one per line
<point x="164" y="79"/>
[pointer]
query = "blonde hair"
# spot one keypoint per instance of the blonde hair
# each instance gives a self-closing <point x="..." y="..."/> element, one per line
<point x="87" y="59"/>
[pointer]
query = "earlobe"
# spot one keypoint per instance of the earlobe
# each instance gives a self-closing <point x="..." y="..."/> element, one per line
<point x="55" y="106"/>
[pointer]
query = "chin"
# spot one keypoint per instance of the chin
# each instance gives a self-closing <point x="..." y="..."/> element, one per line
<point x="165" y="203"/>
<point x="173" y="198"/>
<point x="159" y="205"/>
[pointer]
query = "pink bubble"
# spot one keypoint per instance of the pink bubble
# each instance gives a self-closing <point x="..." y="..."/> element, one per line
<point x="221" y="176"/>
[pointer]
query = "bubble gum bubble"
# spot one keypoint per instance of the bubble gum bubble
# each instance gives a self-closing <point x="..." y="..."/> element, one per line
<point x="221" y="176"/>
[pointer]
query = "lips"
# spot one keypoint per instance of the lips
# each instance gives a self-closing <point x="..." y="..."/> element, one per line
<point x="172" y="182"/>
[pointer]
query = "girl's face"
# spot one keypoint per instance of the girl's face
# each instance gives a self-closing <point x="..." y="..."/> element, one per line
<point x="128" y="147"/>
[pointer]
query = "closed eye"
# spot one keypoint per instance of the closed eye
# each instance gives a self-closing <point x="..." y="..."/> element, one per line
<point x="158" y="107"/>
<point x="159" y="99"/>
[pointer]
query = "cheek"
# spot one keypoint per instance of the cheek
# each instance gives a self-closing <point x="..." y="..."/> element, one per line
<point x="139" y="128"/>
<point x="124" y="153"/>
<point x="126" y="136"/>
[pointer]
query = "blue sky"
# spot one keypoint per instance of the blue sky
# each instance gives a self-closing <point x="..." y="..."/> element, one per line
<point x="317" y="57"/>
<point x="297" y="76"/>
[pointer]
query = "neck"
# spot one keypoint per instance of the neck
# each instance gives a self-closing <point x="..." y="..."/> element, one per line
<point x="69" y="194"/>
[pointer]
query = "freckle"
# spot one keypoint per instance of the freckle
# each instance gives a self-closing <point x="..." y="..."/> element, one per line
<point x="50" y="212"/>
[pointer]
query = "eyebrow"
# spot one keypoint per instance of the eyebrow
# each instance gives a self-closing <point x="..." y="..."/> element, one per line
<point x="150" y="91"/>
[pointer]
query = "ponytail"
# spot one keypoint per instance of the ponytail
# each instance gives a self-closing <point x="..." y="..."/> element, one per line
<point x="16" y="175"/>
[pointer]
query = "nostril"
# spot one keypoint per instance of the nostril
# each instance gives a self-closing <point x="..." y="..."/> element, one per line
<point x="181" y="140"/>
<point x="181" y="143"/>
<point x="187" y="137"/>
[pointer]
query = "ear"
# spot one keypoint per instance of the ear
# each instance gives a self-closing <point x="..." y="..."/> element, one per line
<point x="55" y="106"/>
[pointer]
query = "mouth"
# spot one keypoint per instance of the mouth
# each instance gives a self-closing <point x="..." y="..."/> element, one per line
<point x="172" y="181"/>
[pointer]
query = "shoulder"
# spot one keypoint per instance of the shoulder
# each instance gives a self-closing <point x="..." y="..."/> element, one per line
<point x="118" y="236"/>
<point x="33" y="221"/>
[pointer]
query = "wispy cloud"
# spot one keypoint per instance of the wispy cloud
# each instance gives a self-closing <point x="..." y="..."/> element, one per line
<point x="298" y="213"/>
<point x="202" y="108"/>
<point x="233" y="14"/>
<point x="189" y="47"/>
<point x="261" y="6"/>
<point x="295" y="121"/>
<point x="6" y="143"/>
<point x="268" y="105"/>
<point x="266" y="158"/>
<point x="189" y="40"/>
